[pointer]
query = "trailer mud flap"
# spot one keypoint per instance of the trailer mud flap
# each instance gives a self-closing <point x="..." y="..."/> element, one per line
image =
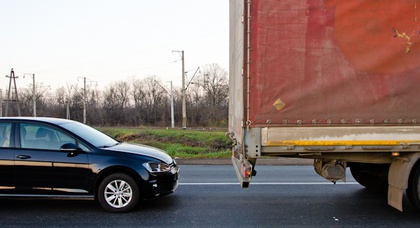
<point x="398" y="176"/>
<point x="243" y="169"/>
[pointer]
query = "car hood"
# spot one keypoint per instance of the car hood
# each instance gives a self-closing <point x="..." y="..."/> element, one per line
<point x="141" y="150"/>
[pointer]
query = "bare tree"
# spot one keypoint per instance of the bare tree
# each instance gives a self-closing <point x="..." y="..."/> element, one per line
<point x="138" y="102"/>
<point x="194" y="97"/>
<point x="215" y="85"/>
<point x="154" y="100"/>
<point x="95" y="114"/>
<point x="76" y="109"/>
<point x="59" y="102"/>
<point x="25" y="101"/>
<point x="139" y="97"/>
<point x="115" y="103"/>
<point x="43" y="100"/>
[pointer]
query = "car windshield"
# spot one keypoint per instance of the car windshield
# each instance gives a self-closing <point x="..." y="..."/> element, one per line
<point x="90" y="134"/>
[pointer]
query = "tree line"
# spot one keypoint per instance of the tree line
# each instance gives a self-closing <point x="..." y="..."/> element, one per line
<point x="135" y="102"/>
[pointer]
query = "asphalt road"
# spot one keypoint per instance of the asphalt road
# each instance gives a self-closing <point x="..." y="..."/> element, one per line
<point x="209" y="196"/>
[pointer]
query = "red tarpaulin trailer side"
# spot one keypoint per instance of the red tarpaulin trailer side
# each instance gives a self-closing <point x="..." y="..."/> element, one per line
<point x="332" y="61"/>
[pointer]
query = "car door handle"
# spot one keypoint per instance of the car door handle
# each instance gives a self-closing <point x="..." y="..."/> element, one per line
<point x="23" y="156"/>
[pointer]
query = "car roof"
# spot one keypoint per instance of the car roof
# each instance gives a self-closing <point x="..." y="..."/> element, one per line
<point x="52" y="120"/>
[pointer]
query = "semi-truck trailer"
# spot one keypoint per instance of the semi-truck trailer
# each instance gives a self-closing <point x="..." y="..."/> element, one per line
<point x="329" y="80"/>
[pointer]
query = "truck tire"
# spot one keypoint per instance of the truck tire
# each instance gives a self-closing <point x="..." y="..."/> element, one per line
<point x="413" y="190"/>
<point x="373" y="177"/>
<point x="118" y="193"/>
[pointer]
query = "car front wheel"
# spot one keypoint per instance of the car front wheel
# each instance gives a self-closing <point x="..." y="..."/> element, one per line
<point x="118" y="193"/>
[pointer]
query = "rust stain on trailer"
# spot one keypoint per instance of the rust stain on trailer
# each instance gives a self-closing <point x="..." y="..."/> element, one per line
<point x="366" y="33"/>
<point x="407" y="38"/>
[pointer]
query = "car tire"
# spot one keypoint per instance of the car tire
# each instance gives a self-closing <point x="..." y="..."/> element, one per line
<point x="118" y="193"/>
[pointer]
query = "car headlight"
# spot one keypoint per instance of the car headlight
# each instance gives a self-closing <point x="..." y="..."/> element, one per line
<point x="154" y="167"/>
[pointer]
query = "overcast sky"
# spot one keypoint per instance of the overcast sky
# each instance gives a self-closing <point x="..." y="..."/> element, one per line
<point x="62" y="41"/>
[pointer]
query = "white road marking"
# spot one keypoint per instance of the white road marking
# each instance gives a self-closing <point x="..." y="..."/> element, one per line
<point x="275" y="183"/>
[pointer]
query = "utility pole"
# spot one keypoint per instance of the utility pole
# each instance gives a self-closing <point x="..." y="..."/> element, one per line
<point x="183" y="91"/>
<point x="68" y="100"/>
<point x="184" y="108"/>
<point x="172" y="102"/>
<point x="84" y="100"/>
<point x="1" y="103"/>
<point x="68" y="109"/>
<point x="33" y="93"/>
<point x="12" y="77"/>
<point x="172" y="107"/>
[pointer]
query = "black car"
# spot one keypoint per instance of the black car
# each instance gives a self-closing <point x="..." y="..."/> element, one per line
<point x="50" y="157"/>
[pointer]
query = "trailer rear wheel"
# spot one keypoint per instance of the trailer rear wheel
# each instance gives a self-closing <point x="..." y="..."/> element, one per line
<point x="413" y="190"/>
<point x="372" y="176"/>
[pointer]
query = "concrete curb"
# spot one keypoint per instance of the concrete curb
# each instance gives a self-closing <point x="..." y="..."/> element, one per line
<point x="261" y="161"/>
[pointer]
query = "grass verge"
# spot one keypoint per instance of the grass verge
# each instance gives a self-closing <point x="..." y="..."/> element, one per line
<point x="177" y="143"/>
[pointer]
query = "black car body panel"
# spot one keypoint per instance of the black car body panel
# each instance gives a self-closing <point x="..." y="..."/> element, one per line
<point x="145" y="151"/>
<point x="33" y="161"/>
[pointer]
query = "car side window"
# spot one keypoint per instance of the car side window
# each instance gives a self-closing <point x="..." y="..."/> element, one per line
<point x="5" y="133"/>
<point x="38" y="136"/>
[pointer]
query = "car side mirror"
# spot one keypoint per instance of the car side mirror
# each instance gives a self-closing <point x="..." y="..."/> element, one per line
<point x="71" y="148"/>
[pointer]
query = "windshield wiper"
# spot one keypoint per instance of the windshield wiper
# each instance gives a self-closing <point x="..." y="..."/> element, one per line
<point x="107" y="146"/>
